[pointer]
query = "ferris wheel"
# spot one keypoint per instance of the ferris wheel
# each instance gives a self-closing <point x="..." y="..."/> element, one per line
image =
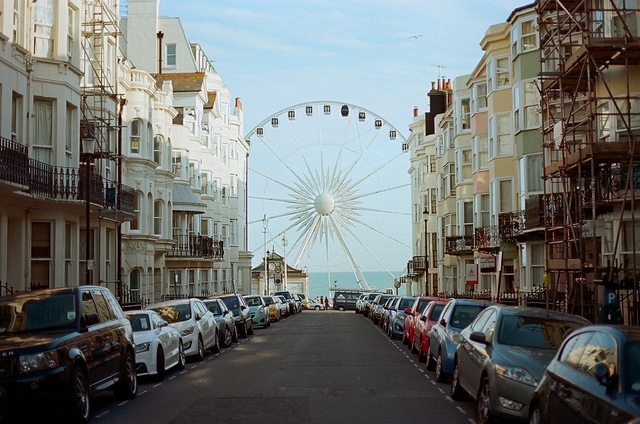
<point x="328" y="185"/>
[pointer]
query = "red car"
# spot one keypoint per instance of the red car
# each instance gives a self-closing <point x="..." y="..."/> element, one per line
<point x="423" y="324"/>
<point x="412" y="314"/>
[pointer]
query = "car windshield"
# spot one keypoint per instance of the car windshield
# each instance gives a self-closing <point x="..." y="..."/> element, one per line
<point x="253" y="301"/>
<point x="37" y="312"/>
<point x="536" y="332"/>
<point x="633" y="367"/>
<point x="231" y="302"/>
<point x="214" y="307"/>
<point x="269" y="300"/>
<point x="464" y="314"/>
<point x="435" y="313"/>
<point x="139" y="322"/>
<point x="422" y="304"/>
<point x="174" y="313"/>
<point x="406" y="303"/>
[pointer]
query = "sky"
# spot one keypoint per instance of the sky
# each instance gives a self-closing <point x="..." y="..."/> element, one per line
<point x="381" y="55"/>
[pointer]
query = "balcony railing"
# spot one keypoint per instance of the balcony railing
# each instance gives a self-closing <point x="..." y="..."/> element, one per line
<point x="486" y="238"/>
<point x="43" y="180"/>
<point x="197" y="246"/>
<point x="458" y="245"/>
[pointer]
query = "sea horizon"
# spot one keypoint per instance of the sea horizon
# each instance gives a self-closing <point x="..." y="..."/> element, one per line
<point x="322" y="283"/>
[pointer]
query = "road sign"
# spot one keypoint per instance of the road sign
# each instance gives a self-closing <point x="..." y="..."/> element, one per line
<point x="277" y="269"/>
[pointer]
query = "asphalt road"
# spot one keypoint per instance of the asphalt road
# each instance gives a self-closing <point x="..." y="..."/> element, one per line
<point x="314" y="367"/>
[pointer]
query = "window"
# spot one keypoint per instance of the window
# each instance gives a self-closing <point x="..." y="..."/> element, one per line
<point x="449" y="183"/>
<point x="523" y="37"/>
<point x="233" y="186"/>
<point x="500" y="143"/>
<point x="176" y="164"/>
<point x="70" y="135"/>
<point x="215" y="146"/>
<point x="480" y="152"/>
<point x="465" y="115"/>
<point x="171" y="55"/>
<point x="134" y="136"/>
<point x="467" y="215"/>
<point x="204" y="226"/>
<point x="628" y="120"/>
<point x="16" y="118"/>
<point x="484" y="211"/>
<point x="43" y="127"/>
<point x="463" y="164"/>
<point x="71" y="30"/>
<point x="40" y="254"/>
<point x="134" y="283"/>
<point x="498" y="73"/>
<point x="157" y="150"/>
<point x="157" y="217"/>
<point x="17" y="21"/>
<point x="630" y="243"/>
<point x="531" y="174"/>
<point x="43" y="28"/>
<point x="505" y="196"/>
<point x="537" y="264"/>
<point x="134" y="223"/>
<point x="480" y="96"/>
<point x="193" y="181"/>
<point x="526" y="104"/>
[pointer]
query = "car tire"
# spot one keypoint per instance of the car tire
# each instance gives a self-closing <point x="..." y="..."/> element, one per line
<point x="431" y="363"/>
<point x="79" y="404"/>
<point x="413" y="347"/>
<point x="250" y="330"/>
<point x="483" y="403"/>
<point x="457" y="392"/>
<point x="182" y="358"/>
<point x="127" y="387"/>
<point x="441" y="377"/>
<point x="405" y="339"/>
<point x="234" y="334"/>
<point x="160" y="364"/>
<point x="200" y="352"/>
<point x="535" y="414"/>
<point x="216" y="343"/>
<point x="227" y="338"/>
<point x="421" y="356"/>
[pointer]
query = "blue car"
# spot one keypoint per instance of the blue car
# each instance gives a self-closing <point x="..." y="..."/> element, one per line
<point x="397" y="316"/>
<point x="445" y="334"/>
<point x="259" y="310"/>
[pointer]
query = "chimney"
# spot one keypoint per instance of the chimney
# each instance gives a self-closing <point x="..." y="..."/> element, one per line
<point x="238" y="103"/>
<point x="437" y="105"/>
<point x="415" y="111"/>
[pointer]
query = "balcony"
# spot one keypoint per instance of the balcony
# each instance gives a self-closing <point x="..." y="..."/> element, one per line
<point x="486" y="239"/>
<point x="59" y="183"/>
<point x="196" y="246"/>
<point x="458" y="245"/>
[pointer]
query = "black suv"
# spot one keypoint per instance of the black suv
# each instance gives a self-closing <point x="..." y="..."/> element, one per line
<point x="59" y="346"/>
<point x="236" y="303"/>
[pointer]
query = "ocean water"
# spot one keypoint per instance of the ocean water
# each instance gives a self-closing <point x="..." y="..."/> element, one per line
<point x="321" y="282"/>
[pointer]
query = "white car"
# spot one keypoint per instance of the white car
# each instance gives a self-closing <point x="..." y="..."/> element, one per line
<point x="159" y="346"/>
<point x="194" y="321"/>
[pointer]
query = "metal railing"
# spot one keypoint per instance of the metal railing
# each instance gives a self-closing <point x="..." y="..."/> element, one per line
<point x="197" y="246"/>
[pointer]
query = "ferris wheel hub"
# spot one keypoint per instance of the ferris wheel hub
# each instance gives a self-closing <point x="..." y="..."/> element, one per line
<point x="324" y="204"/>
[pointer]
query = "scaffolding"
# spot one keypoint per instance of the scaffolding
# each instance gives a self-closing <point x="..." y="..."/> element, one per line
<point x="590" y="90"/>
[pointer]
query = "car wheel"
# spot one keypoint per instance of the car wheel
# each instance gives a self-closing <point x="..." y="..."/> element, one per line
<point x="457" y="392"/>
<point x="79" y="407"/>
<point x="441" y="377"/>
<point x="182" y="358"/>
<point x="160" y="364"/>
<point x="317" y="308"/>
<point x="535" y="415"/>
<point x="421" y="356"/>
<point x="341" y="308"/>
<point x="200" y="352"/>
<point x="250" y="330"/>
<point x="413" y="347"/>
<point x="243" y="330"/>
<point x="405" y="339"/>
<point x="127" y="387"/>
<point x="278" y="317"/>
<point x="234" y="334"/>
<point x="431" y="363"/>
<point x="483" y="403"/>
<point x="216" y="343"/>
<point x="228" y="337"/>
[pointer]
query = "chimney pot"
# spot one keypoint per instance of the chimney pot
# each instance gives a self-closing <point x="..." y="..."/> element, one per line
<point x="415" y="111"/>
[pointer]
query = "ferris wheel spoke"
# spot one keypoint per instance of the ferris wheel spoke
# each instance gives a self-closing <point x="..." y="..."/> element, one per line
<point x="277" y="181"/>
<point x="375" y="171"/>
<point x="300" y="151"/>
<point x="347" y="251"/>
<point x="385" y="190"/>
<point x="376" y="230"/>
<point x="311" y="229"/>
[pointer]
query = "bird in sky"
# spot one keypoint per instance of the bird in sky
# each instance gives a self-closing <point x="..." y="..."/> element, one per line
<point x="416" y="36"/>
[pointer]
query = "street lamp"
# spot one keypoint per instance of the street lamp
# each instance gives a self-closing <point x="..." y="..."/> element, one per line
<point x="284" y="259"/>
<point x="425" y="215"/>
<point x="88" y="147"/>
<point x="265" y="224"/>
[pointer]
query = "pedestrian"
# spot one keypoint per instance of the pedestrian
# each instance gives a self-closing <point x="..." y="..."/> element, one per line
<point x="326" y="303"/>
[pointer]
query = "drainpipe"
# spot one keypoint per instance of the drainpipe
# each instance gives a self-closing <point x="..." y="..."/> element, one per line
<point x="160" y="35"/>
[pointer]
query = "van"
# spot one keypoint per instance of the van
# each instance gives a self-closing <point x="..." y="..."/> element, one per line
<point x="345" y="300"/>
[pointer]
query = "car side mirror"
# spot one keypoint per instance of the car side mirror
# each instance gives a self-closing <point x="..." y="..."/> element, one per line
<point x="423" y="318"/>
<point x="478" y="336"/>
<point x="407" y="311"/>
<point x="601" y="373"/>
<point x="163" y="324"/>
<point x="242" y="307"/>
<point x="90" y="319"/>
<point x="198" y="317"/>
<point x="443" y="322"/>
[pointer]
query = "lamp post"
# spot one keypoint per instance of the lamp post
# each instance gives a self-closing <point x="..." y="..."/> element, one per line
<point x="425" y="215"/>
<point x="88" y="147"/>
<point x="284" y="259"/>
<point x="265" y="224"/>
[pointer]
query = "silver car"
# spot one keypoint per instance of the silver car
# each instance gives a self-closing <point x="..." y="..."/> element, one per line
<point x="501" y="357"/>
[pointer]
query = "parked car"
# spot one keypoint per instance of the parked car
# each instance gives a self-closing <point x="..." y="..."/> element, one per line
<point x="288" y="296"/>
<point x="423" y="324"/>
<point x="59" y="347"/>
<point x="377" y="307"/>
<point x="159" y="346"/>
<point x="195" y="323"/>
<point x="386" y="312"/>
<point x="272" y="303"/>
<point x="345" y="300"/>
<point x="593" y="378"/>
<point x="258" y="310"/>
<point x="285" y="307"/>
<point x="366" y="304"/>
<point x="305" y="300"/>
<point x="445" y="334"/>
<point x="315" y="305"/>
<point x="236" y="304"/>
<point x="298" y="302"/>
<point x="397" y="316"/>
<point x="412" y="313"/>
<point x="502" y="355"/>
<point x="227" y="330"/>
<point x="360" y="302"/>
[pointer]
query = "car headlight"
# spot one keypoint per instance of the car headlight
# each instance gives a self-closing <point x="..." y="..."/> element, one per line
<point x="401" y="317"/>
<point x="188" y="330"/>
<point x="517" y="374"/>
<point x="143" y="347"/>
<point x="455" y="337"/>
<point x="38" y="361"/>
